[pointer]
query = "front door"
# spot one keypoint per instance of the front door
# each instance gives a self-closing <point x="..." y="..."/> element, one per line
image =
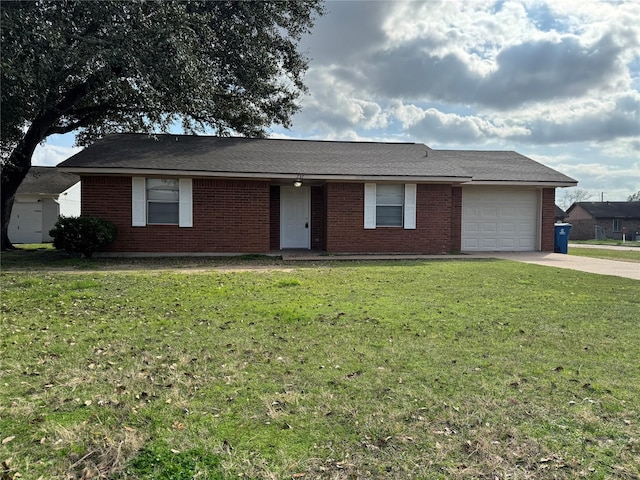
<point x="295" y="217"/>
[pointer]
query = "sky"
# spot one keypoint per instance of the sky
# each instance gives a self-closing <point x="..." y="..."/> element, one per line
<point x="557" y="81"/>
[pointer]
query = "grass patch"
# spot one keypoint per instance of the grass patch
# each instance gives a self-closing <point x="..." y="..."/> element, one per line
<point x="621" y="255"/>
<point x="44" y="256"/>
<point x="158" y="462"/>
<point x="608" y="241"/>
<point x="411" y="369"/>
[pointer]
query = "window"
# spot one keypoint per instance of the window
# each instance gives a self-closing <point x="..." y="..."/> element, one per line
<point x="162" y="200"/>
<point x="390" y="205"/>
<point x="617" y="225"/>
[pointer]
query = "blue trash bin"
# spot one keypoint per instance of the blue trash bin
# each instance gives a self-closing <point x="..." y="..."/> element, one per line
<point x="561" y="243"/>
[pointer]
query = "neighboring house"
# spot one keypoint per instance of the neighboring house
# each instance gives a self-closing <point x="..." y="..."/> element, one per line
<point x="604" y="220"/>
<point x="43" y="195"/>
<point x="171" y="193"/>
<point x="560" y="214"/>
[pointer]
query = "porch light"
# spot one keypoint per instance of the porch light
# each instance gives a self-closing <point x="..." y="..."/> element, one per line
<point x="298" y="181"/>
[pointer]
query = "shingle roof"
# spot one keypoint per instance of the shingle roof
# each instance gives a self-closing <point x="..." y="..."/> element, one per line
<point x="311" y="158"/>
<point x="623" y="210"/>
<point x="502" y="166"/>
<point x="560" y="213"/>
<point x="46" y="181"/>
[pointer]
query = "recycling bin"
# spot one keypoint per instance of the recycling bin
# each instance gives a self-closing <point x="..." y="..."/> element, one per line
<point x="561" y="243"/>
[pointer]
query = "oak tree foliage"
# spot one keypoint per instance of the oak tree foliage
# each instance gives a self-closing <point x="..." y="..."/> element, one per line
<point x="140" y="66"/>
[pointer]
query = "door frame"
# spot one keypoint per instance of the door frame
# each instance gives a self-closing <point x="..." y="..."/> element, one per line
<point x="308" y="214"/>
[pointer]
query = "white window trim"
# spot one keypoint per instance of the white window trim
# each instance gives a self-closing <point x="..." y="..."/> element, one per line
<point x="410" y="196"/>
<point x="139" y="202"/>
<point x="185" y="203"/>
<point x="370" y="206"/>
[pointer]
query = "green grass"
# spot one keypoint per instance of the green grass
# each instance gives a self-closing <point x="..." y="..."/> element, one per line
<point x="447" y="369"/>
<point x="621" y="255"/>
<point x="608" y="241"/>
<point x="44" y="256"/>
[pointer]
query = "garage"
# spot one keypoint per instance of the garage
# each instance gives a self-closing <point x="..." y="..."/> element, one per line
<point x="26" y="222"/>
<point x="499" y="219"/>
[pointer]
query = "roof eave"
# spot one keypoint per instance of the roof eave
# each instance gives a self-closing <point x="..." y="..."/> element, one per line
<point x="264" y="175"/>
<point x="529" y="183"/>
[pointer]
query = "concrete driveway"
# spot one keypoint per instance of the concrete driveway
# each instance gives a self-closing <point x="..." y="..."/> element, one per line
<point x="573" y="262"/>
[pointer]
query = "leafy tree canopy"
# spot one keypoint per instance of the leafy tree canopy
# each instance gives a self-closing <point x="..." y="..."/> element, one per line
<point x="104" y="67"/>
<point x="634" y="197"/>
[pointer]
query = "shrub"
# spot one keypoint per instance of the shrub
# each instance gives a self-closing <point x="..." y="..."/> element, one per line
<point x="83" y="235"/>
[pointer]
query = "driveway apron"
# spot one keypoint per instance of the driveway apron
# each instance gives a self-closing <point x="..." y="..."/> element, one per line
<point x="573" y="262"/>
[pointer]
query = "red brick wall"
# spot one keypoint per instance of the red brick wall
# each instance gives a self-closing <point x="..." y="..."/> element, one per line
<point x="456" y="219"/>
<point x="345" y="223"/>
<point x="274" y="217"/>
<point x="318" y="216"/>
<point x="547" y="235"/>
<point x="229" y="216"/>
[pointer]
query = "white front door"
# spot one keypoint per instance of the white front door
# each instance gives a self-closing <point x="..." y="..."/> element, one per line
<point x="295" y="224"/>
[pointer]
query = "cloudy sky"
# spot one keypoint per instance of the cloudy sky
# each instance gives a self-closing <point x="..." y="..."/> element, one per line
<point x="557" y="80"/>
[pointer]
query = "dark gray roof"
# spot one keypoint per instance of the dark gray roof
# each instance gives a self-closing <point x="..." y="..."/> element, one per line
<point x="623" y="210"/>
<point x="311" y="158"/>
<point x="560" y="213"/>
<point x="502" y="166"/>
<point x="46" y="181"/>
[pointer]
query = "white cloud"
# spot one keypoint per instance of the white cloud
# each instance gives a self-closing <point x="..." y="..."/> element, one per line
<point x="49" y="154"/>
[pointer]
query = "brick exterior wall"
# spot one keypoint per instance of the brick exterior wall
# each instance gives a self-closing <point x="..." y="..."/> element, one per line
<point x="243" y="216"/>
<point x="456" y="219"/>
<point x="318" y="216"/>
<point x="229" y="216"/>
<point x="547" y="235"/>
<point x="274" y="217"/>
<point x="345" y="223"/>
<point x="584" y="229"/>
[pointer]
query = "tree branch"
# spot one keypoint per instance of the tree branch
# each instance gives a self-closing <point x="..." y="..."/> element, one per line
<point x="61" y="129"/>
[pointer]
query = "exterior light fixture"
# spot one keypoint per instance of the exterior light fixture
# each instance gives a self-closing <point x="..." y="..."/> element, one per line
<point x="298" y="181"/>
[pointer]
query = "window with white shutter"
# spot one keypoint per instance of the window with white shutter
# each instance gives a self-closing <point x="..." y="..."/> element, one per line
<point x="161" y="201"/>
<point x="390" y="205"/>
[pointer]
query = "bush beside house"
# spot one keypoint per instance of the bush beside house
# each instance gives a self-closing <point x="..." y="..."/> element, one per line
<point x="84" y="235"/>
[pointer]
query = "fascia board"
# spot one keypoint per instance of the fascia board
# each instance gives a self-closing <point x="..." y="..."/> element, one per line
<point x="261" y="175"/>
<point x="521" y="183"/>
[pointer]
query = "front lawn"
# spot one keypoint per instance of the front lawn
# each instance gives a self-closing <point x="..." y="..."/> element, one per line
<point x="608" y="241"/>
<point x="443" y="369"/>
<point x="621" y="255"/>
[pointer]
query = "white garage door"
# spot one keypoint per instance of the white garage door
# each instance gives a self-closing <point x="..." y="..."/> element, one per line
<point x="496" y="219"/>
<point x="26" y="223"/>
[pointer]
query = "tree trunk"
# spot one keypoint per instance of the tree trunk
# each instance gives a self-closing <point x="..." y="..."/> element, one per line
<point x="12" y="175"/>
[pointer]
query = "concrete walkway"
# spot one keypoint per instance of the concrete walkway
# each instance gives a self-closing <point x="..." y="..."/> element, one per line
<point x="557" y="260"/>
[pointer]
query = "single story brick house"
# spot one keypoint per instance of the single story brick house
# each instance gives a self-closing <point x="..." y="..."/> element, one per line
<point x="604" y="220"/>
<point x="44" y="194"/>
<point x="204" y="194"/>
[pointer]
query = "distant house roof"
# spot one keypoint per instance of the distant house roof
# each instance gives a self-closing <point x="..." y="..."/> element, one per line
<point x="275" y="158"/>
<point x="46" y="181"/>
<point x="623" y="210"/>
<point x="560" y="213"/>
